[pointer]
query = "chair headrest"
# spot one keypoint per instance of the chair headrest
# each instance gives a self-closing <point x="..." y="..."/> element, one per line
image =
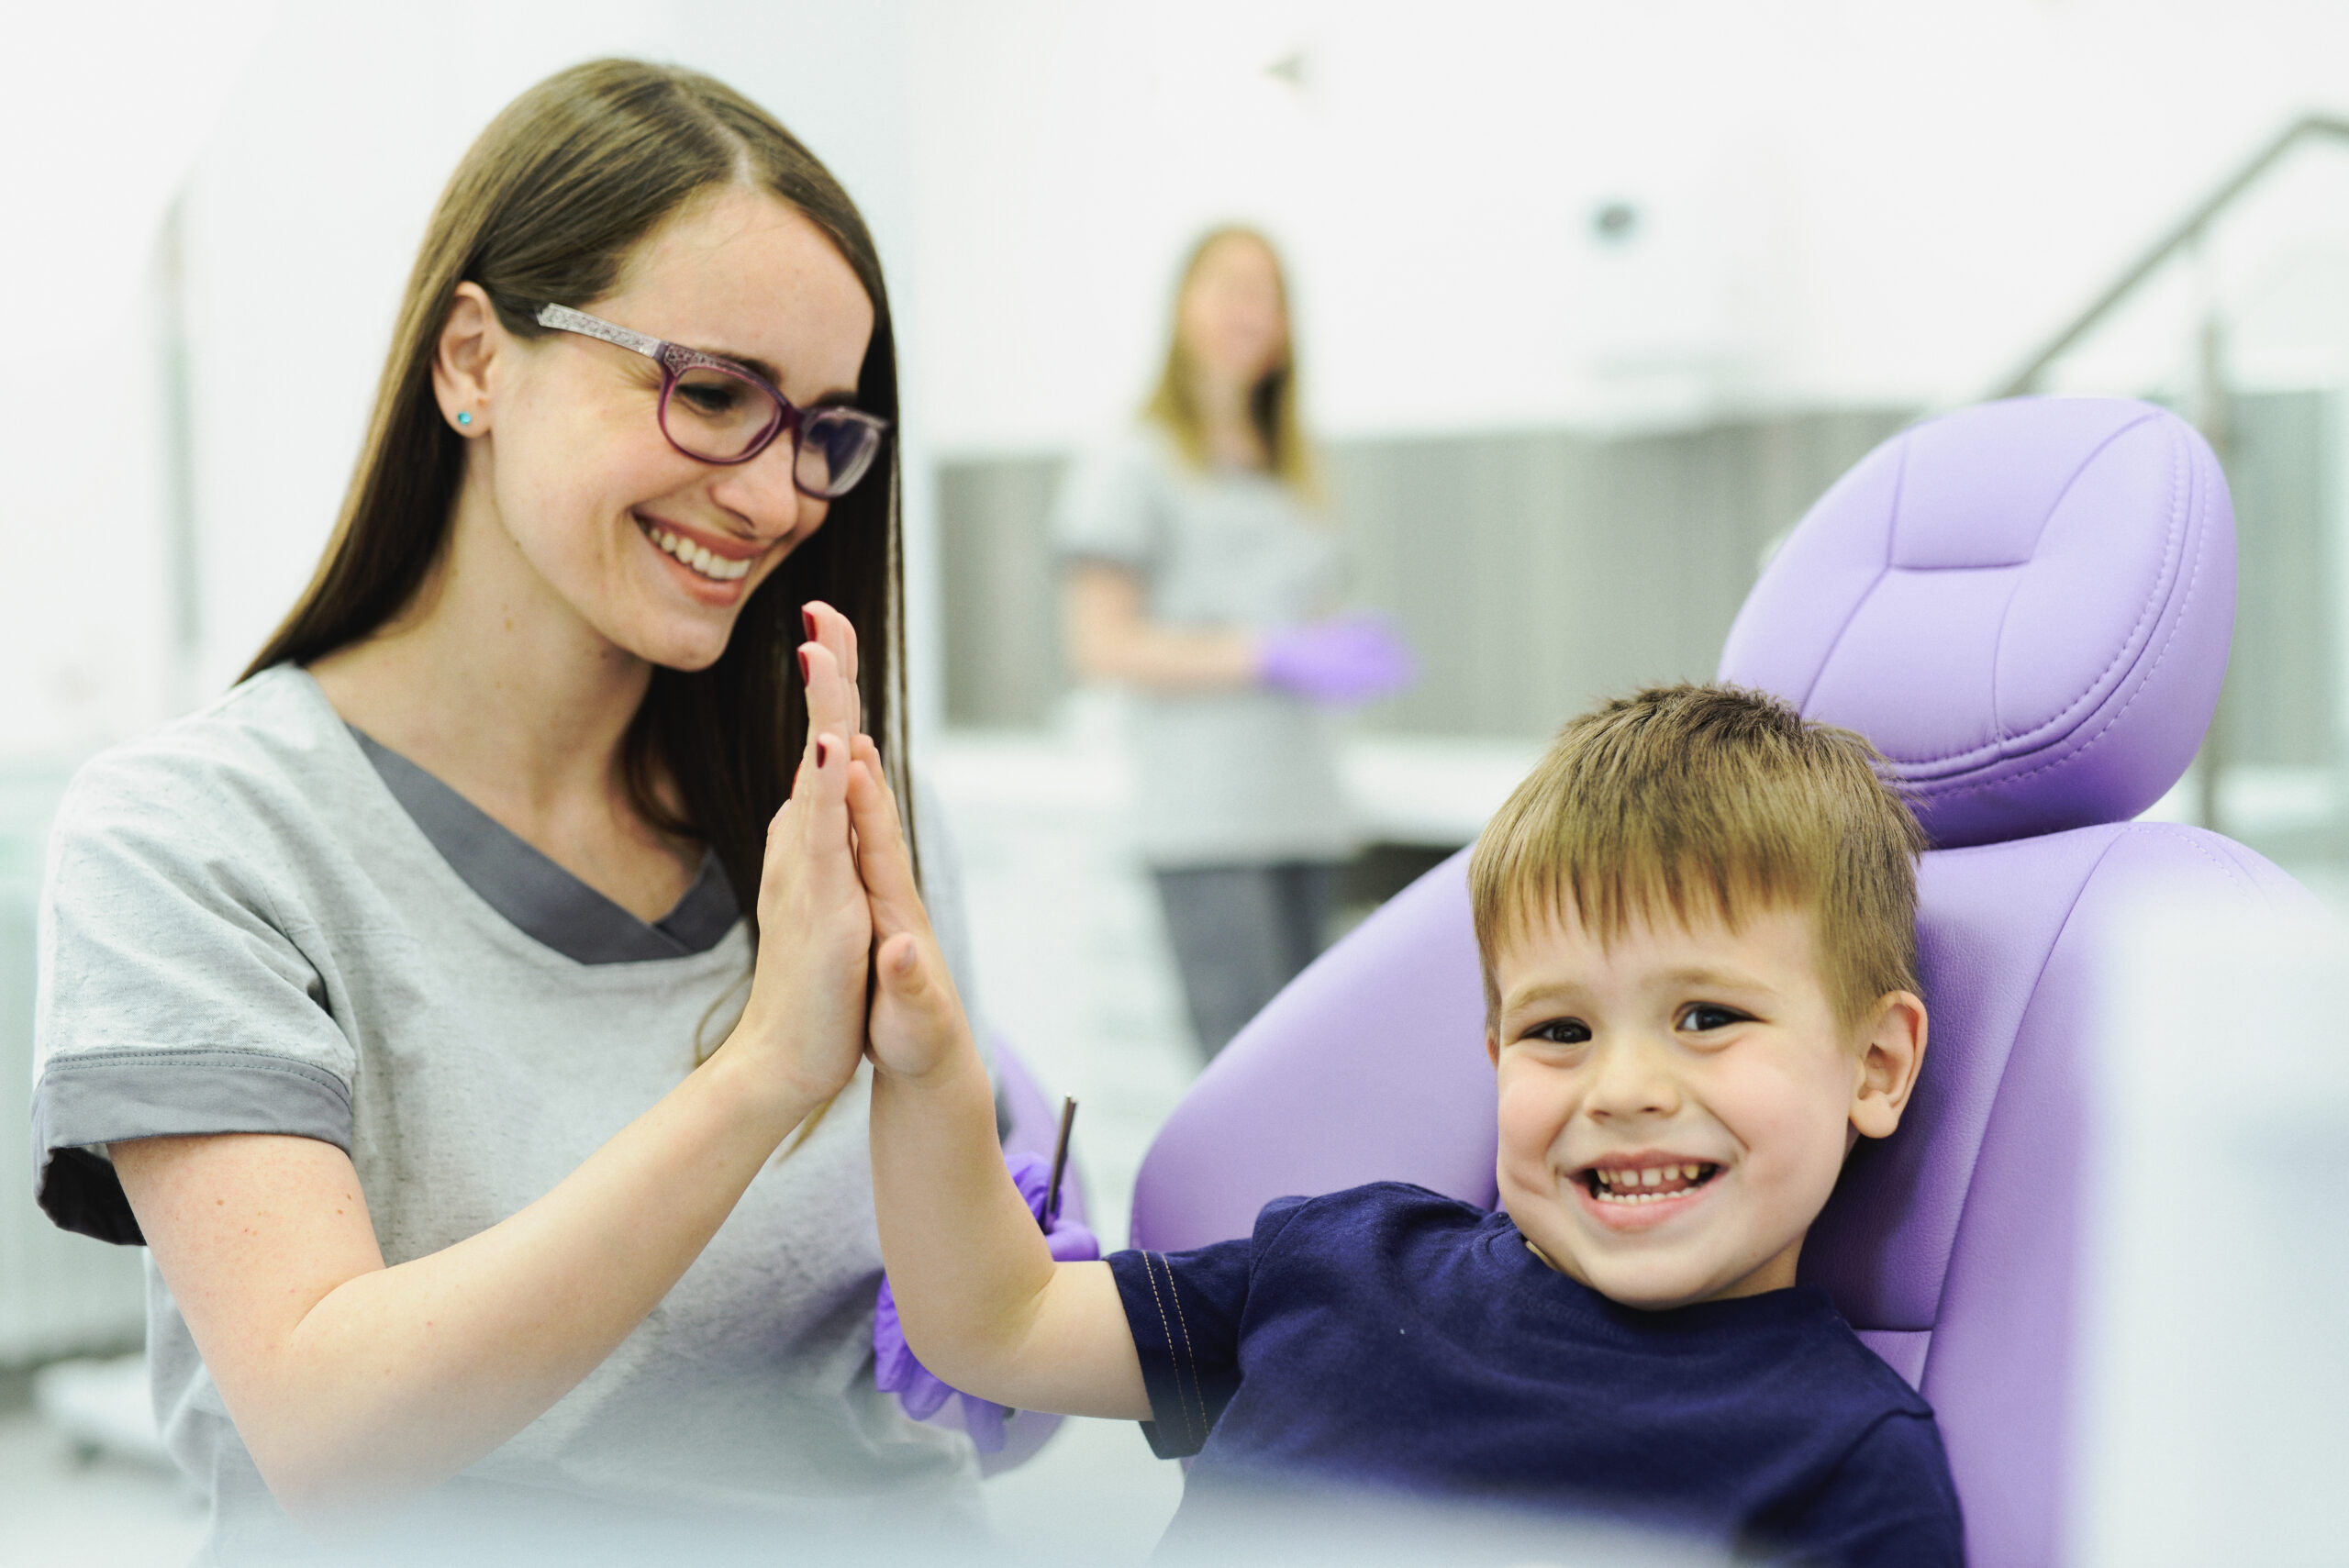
<point x="2026" y="606"/>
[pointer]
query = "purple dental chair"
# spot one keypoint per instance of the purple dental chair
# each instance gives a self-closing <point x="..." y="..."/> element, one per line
<point x="2026" y="606"/>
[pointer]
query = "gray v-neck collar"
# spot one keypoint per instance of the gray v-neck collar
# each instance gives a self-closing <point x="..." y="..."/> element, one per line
<point x="545" y="902"/>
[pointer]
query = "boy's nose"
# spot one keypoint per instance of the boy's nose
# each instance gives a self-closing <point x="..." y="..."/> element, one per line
<point x="1628" y="1080"/>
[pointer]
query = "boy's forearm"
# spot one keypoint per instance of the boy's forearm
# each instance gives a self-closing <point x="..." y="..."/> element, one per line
<point x="966" y="1260"/>
<point x="981" y="1300"/>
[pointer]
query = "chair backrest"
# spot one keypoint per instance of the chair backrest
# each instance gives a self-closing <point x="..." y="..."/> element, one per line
<point x="2026" y="606"/>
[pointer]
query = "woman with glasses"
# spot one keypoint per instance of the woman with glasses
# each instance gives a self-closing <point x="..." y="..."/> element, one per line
<point x="409" y="1002"/>
<point x="1200" y="572"/>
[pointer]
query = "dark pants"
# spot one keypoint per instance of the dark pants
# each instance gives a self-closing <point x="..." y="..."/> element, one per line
<point x="1240" y="933"/>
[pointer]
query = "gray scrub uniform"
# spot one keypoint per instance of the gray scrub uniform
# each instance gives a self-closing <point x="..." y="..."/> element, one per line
<point x="257" y="920"/>
<point x="1239" y="815"/>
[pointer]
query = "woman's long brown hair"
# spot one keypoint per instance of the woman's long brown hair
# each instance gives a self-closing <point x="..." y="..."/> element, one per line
<point x="1272" y="401"/>
<point x="547" y="206"/>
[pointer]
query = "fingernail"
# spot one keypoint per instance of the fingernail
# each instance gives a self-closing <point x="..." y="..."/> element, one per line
<point x="823" y="751"/>
<point x="803" y="667"/>
<point x="808" y="619"/>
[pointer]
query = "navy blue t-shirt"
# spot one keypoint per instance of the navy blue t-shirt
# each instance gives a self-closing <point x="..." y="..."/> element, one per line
<point x="1392" y="1337"/>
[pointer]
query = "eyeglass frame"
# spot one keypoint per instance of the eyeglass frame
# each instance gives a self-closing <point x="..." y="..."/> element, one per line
<point x="675" y="358"/>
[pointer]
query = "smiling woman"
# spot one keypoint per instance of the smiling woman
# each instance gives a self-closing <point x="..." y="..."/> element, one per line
<point x="409" y="1003"/>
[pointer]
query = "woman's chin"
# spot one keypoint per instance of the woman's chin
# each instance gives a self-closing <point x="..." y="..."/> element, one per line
<point x="675" y="647"/>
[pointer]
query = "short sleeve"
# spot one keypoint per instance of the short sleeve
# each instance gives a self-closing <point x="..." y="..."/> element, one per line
<point x="1186" y="1310"/>
<point x="1890" y="1504"/>
<point x="170" y="999"/>
<point x="1108" y="508"/>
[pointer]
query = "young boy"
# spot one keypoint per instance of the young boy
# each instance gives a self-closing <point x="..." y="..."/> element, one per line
<point x="1696" y="920"/>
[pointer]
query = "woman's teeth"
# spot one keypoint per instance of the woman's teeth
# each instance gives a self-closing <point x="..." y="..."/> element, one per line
<point x="716" y="568"/>
<point x="1647" y="1184"/>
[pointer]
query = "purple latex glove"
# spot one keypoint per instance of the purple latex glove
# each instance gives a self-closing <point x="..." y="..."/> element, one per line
<point x="1347" y="658"/>
<point x="897" y="1371"/>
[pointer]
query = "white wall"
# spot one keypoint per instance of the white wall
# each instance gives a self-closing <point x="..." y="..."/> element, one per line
<point x="1844" y="202"/>
<point x="97" y="128"/>
<point x="306" y="179"/>
<point x="1841" y="202"/>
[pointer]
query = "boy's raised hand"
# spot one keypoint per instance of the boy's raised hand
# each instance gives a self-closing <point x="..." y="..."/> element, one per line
<point x="980" y="1297"/>
<point x="917" y="1023"/>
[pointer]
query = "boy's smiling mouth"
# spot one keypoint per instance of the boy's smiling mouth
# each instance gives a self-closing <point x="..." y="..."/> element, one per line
<point x="1636" y="1190"/>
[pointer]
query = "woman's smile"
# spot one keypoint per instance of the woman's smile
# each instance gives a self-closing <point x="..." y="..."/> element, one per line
<point x="714" y="568"/>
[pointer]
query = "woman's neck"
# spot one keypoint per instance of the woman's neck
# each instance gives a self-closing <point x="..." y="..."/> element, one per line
<point x="494" y="683"/>
<point x="1226" y="421"/>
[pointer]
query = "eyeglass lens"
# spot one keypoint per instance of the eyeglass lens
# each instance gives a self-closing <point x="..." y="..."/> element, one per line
<point x="718" y="415"/>
<point x="715" y="414"/>
<point x="835" y="449"/>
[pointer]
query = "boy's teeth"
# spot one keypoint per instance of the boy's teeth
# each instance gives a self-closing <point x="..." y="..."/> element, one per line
<point x="1649" y="1184"/>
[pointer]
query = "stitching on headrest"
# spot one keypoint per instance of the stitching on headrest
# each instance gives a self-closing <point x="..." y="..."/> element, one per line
<point x="2151" y="608"/>
<point x="2038" y="538"/>
<point x="2233" y="871"/>
<point x="1892" y="525"/>
<point x="2193" y="579"/>
<point x="1981" y="1129"/>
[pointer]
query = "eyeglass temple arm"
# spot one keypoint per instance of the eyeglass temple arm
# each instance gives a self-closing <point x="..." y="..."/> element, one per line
<point x="565" y="319"/>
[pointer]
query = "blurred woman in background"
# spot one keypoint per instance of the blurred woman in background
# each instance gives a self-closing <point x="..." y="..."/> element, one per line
<point x="1201" y="572"/>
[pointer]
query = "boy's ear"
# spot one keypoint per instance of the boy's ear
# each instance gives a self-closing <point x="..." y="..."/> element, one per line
<point x="1891" y="1053"/>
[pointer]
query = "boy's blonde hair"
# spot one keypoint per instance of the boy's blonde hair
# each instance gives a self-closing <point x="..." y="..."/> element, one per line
<point x="1708" y="800"/>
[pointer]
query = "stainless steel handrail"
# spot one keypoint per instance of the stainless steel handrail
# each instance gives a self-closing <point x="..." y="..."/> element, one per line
<point x="2184" y="233"/>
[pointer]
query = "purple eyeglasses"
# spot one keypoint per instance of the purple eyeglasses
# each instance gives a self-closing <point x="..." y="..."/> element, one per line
<point x="713" y="410"/>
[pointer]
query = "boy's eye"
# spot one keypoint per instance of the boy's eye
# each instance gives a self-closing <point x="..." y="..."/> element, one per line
<point x="1704" y="1016"/>
<point x="1560" y="1031"/>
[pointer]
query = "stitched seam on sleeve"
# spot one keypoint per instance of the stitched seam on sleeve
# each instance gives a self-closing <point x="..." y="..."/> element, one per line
<point x="1198" y="1388"/>
<point x="186" y="1060"/>
<point x="1182" y="1359"/>
<point x="1166" y="1333"/>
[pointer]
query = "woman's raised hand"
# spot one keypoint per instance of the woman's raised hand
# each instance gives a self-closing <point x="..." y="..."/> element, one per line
<point x="805" y="1016"/>
<point x="917" y="1023"/>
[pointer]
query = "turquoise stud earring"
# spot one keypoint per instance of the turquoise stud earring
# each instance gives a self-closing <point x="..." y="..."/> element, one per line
<point x="465" y="416"/>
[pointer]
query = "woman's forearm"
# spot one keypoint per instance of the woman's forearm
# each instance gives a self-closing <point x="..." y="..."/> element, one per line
<point x="1112" y="638"/>
<point x="356" y="1386"/>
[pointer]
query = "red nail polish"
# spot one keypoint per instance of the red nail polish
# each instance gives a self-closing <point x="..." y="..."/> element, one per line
<point x="807" y="620"/>
<point x="802" y="666"/>
<point x="823" y="753"/>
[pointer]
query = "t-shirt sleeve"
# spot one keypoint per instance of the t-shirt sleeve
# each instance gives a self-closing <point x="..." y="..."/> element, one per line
<point x="1108" y="510"/>
<point x="1890" y="1504"/>
<point x="171" y="998"/>
<point x="1185" y="1310"/>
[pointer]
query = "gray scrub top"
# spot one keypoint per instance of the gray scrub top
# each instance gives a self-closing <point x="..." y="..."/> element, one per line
<point x="1245" y="777"/>
<point x="257" y="920"/>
